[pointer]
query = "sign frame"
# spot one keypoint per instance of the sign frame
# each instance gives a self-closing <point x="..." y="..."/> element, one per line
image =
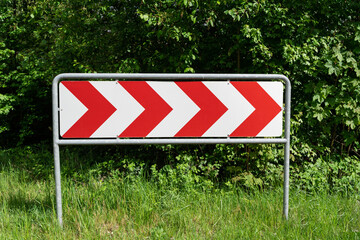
<point x="57" y="141"/>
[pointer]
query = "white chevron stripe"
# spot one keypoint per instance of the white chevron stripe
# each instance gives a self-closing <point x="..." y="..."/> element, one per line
<point x="183" y="109"/>
<point x="71" y="109"/>
<point x="274" y="127"/>
<point x="128" y="109"/>
<point x="275" y="91"/>
<point x="238" y="109"/>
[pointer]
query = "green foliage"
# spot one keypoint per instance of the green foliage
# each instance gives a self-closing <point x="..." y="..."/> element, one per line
<point x="221" y="166"/>
<point x="328" y="175"/>
<point x="314" y="43"/>
<point x="34" y="160"/>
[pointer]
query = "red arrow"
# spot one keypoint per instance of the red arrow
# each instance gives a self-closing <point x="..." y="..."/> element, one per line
<point x="265" y="109"/>
<point x="99" y="109"/>
<point x="211" y="109"/>
<point x="156" y="109"/>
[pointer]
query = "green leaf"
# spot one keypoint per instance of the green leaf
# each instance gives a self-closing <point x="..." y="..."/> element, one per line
<point x="330" y="67"/>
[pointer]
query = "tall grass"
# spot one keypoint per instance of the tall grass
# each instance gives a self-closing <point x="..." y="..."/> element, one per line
<point x="119" y="208"/>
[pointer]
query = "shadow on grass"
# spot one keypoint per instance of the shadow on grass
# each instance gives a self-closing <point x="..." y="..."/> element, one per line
<point x="24" y="202"/>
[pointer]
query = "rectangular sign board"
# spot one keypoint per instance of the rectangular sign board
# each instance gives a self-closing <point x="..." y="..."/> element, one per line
<point x="170" y="109"/>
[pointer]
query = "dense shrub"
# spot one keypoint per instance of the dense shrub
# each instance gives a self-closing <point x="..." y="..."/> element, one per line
<point x="314" y="43"/>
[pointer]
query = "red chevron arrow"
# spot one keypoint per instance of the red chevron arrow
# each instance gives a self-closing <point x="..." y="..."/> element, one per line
<point x="211" y="109"/>
<point x="265" y="109"/>
<point x="99" y="109"/>
<point x="156" y="109"/>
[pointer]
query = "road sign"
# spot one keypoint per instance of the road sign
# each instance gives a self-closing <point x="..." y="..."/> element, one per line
<point x="145" y="108"/>
<point x="163" y="109"/>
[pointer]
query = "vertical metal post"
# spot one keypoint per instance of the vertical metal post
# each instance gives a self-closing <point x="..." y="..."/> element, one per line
<point x="58" y="183"/>
<point x="55" y="113"/>
<point x="287" y="149"/>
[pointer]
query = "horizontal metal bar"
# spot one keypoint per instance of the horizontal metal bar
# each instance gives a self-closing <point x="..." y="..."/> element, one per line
<point x="171" y="141"/>
<point x="168" y="76"/>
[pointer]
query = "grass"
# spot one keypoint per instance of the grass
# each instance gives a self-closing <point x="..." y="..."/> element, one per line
<point x="116" y="208"/>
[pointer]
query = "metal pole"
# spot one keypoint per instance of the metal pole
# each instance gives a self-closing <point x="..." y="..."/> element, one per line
<point x="287" y="148"/>
<point x="55" y="113"/>
<point x="169" y="76"/>
<point x="171" y="141"/>
<point x="58" y="183"/>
